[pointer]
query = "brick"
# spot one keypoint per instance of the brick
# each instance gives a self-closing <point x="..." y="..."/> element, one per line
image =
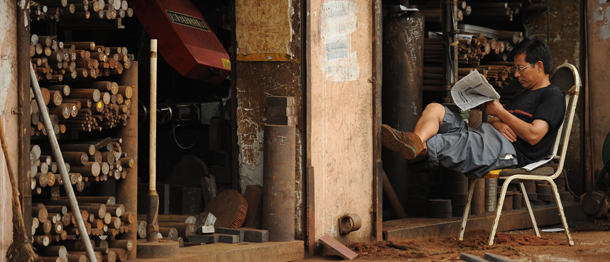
<point x="222" y="174"/>
<point x="208" y="239"/>
<point x="227" y="238"/>
<point x="230" y="231"/>
<point x="280" y="101"/>
<point x="273" y="111"/>
<point x="254" y="196"/>
<point x="255" y="235"/>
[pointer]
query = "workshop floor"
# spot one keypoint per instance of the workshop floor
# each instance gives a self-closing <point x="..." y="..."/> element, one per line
<point x="592" y="243"/>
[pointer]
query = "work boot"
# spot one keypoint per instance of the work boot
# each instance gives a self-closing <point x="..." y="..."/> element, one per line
<point x="408" y="144"/>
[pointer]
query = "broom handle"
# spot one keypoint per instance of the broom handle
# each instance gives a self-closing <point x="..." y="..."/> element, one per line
<point x="46" y="120"/>
<point x="17" y="216"/>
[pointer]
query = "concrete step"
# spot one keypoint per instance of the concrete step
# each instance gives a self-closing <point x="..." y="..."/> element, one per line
<point x="421" y="227"/>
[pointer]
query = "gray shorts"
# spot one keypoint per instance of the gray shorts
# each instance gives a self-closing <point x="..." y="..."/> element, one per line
<point x="474" y="152"/>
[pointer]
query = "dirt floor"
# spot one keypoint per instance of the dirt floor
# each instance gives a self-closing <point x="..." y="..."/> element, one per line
<point x="592" y="243"/>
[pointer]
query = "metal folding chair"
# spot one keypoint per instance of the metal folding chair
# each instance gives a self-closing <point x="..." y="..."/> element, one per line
<point x="566" y="77"/>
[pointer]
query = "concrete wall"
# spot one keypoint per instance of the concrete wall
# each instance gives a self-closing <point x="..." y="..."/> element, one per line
<point x="8" y="103"/>
<point x="340" y="142"/>
<point x="565" y="44"/>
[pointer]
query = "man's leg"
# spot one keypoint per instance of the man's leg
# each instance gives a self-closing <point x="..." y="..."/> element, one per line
<point x="409" y="144"/>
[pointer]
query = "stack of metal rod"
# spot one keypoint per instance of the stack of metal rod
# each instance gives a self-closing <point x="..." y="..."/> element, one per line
<point x="175" y="227"/>
<point x="76" y="12"/>
<point x="86" y="162"/>
<point x="57" y="61"/>
<point x="83" y="106"/>
<point x="475" y="52"/>
<point x="56" y="236"/>
<point x="496" y="10"/>
<point x="431" y="10"/>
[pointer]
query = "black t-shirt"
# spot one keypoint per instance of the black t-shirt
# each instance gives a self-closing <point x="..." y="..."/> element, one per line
<point x="547" y="104"/>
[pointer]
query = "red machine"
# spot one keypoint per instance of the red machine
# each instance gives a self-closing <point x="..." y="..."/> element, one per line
<point x="185" y="39"/>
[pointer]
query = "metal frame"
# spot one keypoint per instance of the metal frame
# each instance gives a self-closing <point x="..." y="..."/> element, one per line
<point x="571" y="102"/>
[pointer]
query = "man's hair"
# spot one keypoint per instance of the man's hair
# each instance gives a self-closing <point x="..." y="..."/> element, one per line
<point x="535" y="50"/>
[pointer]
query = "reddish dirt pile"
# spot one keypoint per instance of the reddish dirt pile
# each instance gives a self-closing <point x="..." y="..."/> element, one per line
<point x="475" y="242"/>
<point x="478" y="239"/>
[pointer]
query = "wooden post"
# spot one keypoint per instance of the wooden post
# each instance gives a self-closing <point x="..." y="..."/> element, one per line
<point x="153" y="197"/>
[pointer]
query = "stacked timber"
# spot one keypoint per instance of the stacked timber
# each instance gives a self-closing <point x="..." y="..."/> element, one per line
<point x="78" y="12"/>
<point x="57" y="61"/>
<point x="56" y="236"/>
<point x="475" y="52"/>
<point x="87" y="106"/>
<point x="86" y="162"/>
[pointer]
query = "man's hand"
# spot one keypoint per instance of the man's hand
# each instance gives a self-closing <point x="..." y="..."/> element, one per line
<point x="505" y="130"/>
<point x="494" y="108"/>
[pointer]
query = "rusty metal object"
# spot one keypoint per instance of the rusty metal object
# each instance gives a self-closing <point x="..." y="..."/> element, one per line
<point x="391" y="195"/>
<point x="377" y="72"/>
<point x="278" y="181"/>
<point x="450" y="61"/>
<point x="230" y="209"/>
<point x="402" y="88"/>
<point x="126" y="192"/>
<point x="338" y="248"/>
<point x="478" y="198"/>
<point x="349" y="223"/>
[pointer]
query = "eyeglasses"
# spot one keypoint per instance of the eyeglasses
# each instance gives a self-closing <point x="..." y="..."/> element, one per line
<point x="520" y="69"/>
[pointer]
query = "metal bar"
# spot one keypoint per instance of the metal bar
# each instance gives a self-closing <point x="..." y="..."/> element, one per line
<point x="61" y="164"/>
<point x="449" y="25"/>
<point x="279" y="181"/>
<point x="379" y="177"/>
<point x="392" y="197"/>
<point x="23" y="93"/>
<point x="561" y="213"/>
<point x="499" y="210"/>
<point x="467" y="209"/>
<point x="311" y="210"/>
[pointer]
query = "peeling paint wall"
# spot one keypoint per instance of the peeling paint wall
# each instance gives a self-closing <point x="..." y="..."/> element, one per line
<point x="341" y="142"/>
<point x="8" y="102"/>
<point x="257" y="79"/>
<point x="565" y="45"/>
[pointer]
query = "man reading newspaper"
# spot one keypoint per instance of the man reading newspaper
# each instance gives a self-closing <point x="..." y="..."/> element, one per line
<point x="518" y="134"/>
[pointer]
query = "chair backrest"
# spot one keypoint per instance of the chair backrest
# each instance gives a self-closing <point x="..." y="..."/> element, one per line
<point x="566" y="77"/>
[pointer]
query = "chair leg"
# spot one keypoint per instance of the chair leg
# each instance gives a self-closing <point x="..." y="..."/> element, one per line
<point x="529" y="208"/>
<point x="467" y="209"/>
<point x="499" y="210"/>
<point x="561" y="213"/>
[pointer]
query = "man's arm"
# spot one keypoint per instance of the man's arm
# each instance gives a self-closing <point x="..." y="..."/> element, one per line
<point x="530" y="133"/>
<point x="503" y="128"/>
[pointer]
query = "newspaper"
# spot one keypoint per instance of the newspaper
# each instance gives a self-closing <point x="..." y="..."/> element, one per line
<point x="473" y="90"/>
<point x="537" y="164"/>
